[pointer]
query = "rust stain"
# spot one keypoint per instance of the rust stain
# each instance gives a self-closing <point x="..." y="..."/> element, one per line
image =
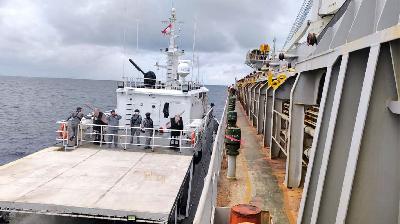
<point x="151" y="176"/>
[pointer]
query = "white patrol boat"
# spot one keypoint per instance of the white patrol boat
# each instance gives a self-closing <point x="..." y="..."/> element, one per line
<point x="164" y="99"/>
<point x="128" y="183"/>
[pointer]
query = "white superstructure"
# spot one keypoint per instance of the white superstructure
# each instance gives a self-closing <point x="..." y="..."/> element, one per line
<point x="192" y="104"/>
<point x="164" y="99"/>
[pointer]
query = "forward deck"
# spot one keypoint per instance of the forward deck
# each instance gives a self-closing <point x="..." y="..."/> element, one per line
<point x="96" y="183"/>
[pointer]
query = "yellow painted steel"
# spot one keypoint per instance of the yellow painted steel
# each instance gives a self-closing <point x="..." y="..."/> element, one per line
<point x="276" y="82"/>
<point x="264" y="48"/>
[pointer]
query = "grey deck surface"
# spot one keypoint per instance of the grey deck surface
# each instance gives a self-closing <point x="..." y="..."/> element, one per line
<point x="90" y="181"/>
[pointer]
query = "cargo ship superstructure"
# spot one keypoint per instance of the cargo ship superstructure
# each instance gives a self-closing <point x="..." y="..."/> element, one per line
<point x="328" y="104"/>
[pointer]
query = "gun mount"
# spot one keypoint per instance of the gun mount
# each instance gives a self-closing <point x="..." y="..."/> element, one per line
<point x="149" y="77"/>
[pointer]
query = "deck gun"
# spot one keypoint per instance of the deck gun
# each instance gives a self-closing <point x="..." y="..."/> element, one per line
<point x="149" y="77"/>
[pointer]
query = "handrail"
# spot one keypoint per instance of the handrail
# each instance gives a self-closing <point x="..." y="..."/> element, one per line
<point x="139" y="83"/>
<point x="207" y="202"/>
<point x="124" y="133"/>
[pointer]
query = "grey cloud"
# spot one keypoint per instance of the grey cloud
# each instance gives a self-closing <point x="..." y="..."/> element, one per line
<point x="222" y="24"/>
<point x="83" y="38"/>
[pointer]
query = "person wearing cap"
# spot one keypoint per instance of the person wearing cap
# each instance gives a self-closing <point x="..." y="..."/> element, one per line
<point x="136" y="122"/>
<point x="74" y="120"/>
<point x="147" y="124"/>
<point x="113" y="123"/>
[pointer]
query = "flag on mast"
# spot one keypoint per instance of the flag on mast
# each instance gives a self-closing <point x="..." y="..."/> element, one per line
<point x="167" y="29"/>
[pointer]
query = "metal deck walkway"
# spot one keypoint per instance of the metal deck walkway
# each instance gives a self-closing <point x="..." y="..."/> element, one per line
<point x="258" y="178"/>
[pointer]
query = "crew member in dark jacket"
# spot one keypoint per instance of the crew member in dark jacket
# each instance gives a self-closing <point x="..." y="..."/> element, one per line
<point x="148" y="125"/>
<point x="176" y="123"/>
<point x="99" y="119"/>
<point x="136" y="122"/>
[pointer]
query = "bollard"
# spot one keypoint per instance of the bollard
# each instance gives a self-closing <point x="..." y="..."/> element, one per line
<point x="231" y="103"/>
<point x="232" y="146"/>
<point x="232" y="118"/>
<point x="245" y="213"/>
<point x="231" y="174"/>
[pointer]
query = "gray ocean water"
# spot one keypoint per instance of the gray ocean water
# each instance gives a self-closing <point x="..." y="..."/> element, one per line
<point x="30" y="108"/>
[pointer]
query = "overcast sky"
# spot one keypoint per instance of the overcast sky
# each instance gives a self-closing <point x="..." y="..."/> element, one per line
<point x="84" y="38"/>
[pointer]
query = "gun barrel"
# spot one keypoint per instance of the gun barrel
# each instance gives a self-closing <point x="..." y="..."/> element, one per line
<point x="136" y="66"/>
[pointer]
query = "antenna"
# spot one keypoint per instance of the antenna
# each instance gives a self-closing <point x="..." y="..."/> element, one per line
<point x="274" y="45"/>
<point x="198" y="69"/>
<point x="124" y="53"/>
<point x="194" y="46"/>
<point x="137" y="34"/>
<point x="124" y="42"/>
<point x="137" y="74"/>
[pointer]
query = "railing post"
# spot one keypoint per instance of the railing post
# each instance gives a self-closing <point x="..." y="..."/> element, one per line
<point x="65" y="145"/>
<point x="180" y="141"/>
<point x="101" y="135"/>
<point x="152" y="145"/>
<point x="77" y="135"/>
<point x="112" y="138"/>
<point x="126" y="137"/>
<point x="82" y="135"/>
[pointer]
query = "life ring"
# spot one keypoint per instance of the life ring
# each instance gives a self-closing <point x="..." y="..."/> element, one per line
<point x="62" y="131"/>
<point x="193" y="138"/>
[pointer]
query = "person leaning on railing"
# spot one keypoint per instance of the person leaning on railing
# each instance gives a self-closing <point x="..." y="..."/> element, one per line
<point x="113" y="122"/>
<point x="148" y="125"/>
<point x="74" y="120"/>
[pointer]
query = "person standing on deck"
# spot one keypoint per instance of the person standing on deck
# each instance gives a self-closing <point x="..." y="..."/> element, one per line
<point x="136" y="121"/>
<point x="176" y="124"/>
<point x="74" y="121"/>
<point x="113" y="122"/>
<point x="99" y="119"/>
<point x="147" y="124"/>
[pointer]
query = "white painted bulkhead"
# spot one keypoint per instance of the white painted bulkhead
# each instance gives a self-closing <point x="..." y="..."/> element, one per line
<point x="193" y="104"/>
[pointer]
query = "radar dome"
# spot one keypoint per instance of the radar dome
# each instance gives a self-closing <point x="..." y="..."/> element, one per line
<point x="184" y="68"/>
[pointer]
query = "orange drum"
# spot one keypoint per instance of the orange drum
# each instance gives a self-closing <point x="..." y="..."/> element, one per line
<point x="243" y="213"/>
